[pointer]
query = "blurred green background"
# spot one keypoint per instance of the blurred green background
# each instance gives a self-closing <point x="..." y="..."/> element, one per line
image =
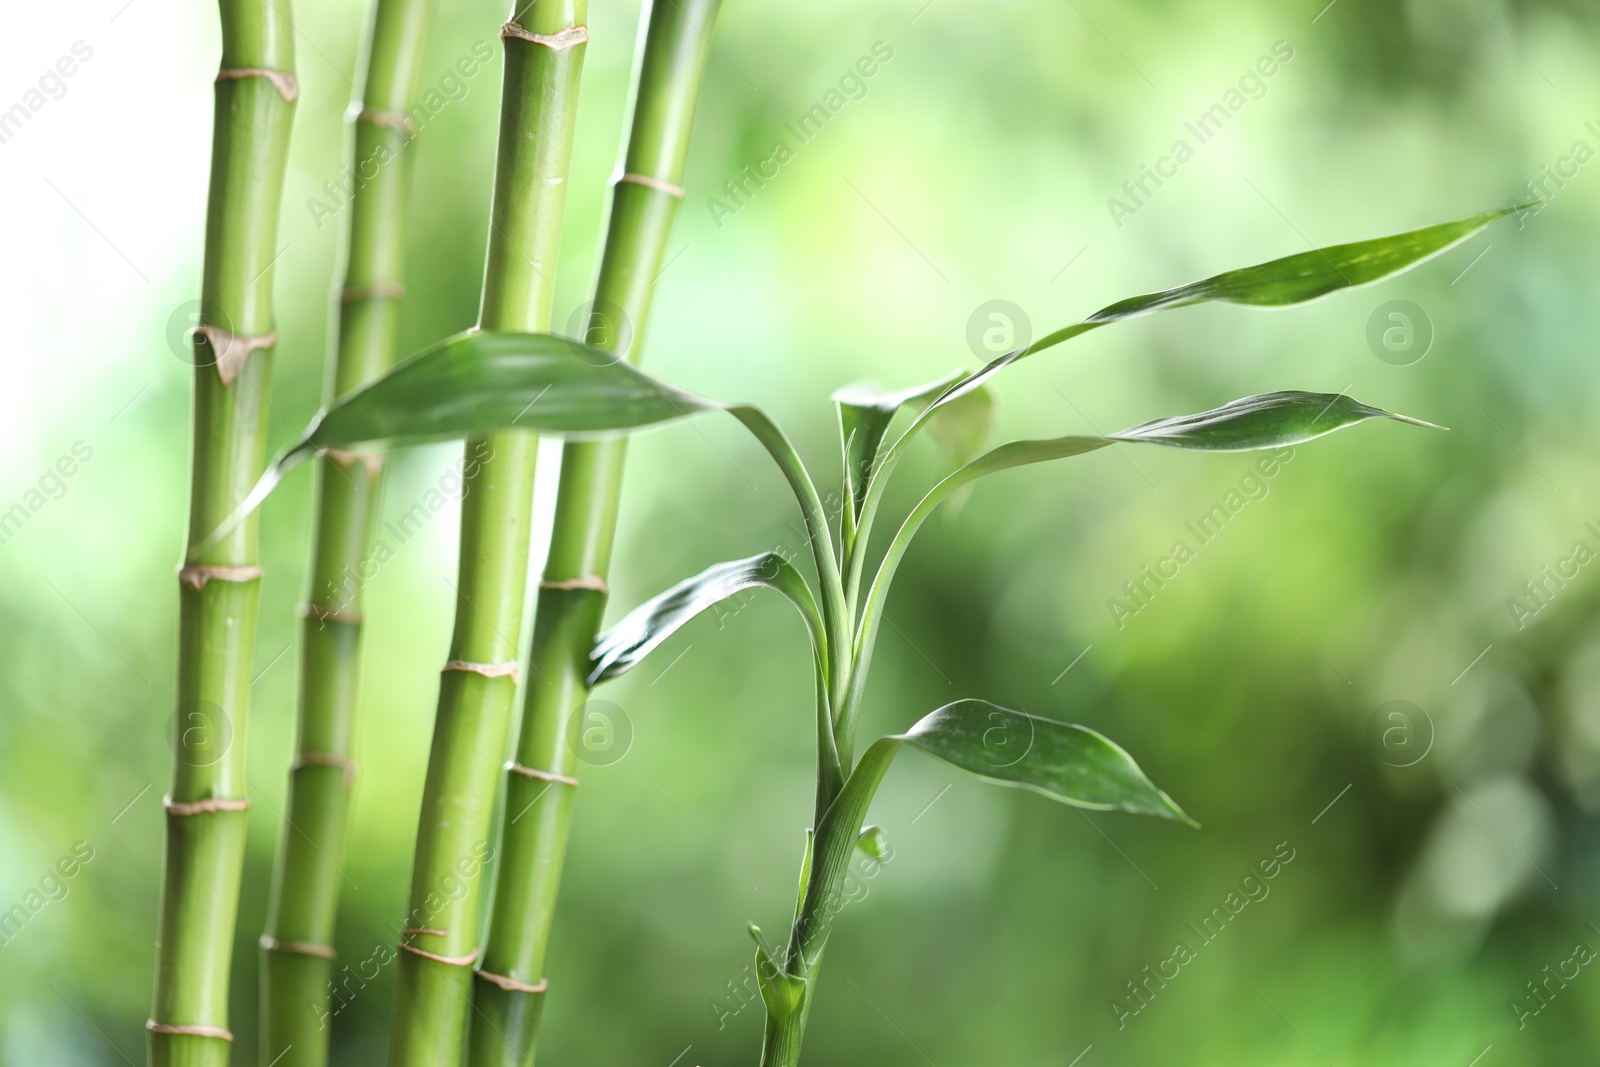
<point x="1441" y="860"/>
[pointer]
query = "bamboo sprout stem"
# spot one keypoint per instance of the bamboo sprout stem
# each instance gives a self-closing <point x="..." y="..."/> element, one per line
<point x="219" y="589"/>
<point x="543" y="63"/>
<point x="297" y="957"/>
<point x="670" y="63"/>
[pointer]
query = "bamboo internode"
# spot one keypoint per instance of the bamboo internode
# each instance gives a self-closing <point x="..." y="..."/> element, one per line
<point x="511" y="987"/>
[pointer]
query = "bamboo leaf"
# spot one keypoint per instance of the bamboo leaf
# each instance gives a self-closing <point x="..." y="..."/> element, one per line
<point x="865" y="413"/>
<point x="481" y="381"/>
<point x="1294" y="279"/>
<point x="781" y="993"/>
<point x="1071" y="764"/>
<point x="1271" y="420"/>
<point x="647" y="626"/>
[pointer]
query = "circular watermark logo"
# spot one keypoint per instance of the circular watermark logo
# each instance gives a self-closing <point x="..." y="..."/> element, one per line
<point x="605" y="735"/>
<point x="1400" y="733"/>
<point x="1399" y="332"/>
<point x="997" y="327"/>
<point x="200" y="733"/>
<point x="183" y="327"/>
<point x="1007" y="738"/>
<point x="603" y="325"/>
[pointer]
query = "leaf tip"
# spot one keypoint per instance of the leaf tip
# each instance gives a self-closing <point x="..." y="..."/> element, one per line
<point x="1414" y="421"/>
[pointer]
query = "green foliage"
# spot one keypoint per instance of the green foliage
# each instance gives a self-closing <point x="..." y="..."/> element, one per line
<point x="485" y="381"/>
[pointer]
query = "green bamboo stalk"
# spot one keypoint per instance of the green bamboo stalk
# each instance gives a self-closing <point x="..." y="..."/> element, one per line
<point x="671" y="57"/>
<point x="297" y="947"/>
<point x="219" y="587"/>
<point x="543" y="63"/>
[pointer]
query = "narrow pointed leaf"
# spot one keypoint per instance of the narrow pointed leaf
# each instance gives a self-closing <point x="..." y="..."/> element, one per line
<point x="651" y="623"/>
<point x="1271" y="420"/>
<point x="482" y="381"/>
<point x="1282" y="282"/>
<point x="1071" y="764"/>
<point x="865" y="413"/>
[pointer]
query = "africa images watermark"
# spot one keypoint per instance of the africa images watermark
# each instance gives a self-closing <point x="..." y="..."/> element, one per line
<point x="51" y="85"/>
<point x="746" y="988"/>
<point x="450" y="487"/>
<point x="1540" y="591"/>
<point x="1253" y="888"/>
<point x="451" y="87"/>
<point x="1140" y="590"/>
<point x="1252" y="85"/>
<point x="1551" y="983"/>
<point x="852" y="85"/>
<point x="343" y="987"/>
<point x="51" y="486"/>
<point x="1536" y="193"/>
<point x="53" y="887"/>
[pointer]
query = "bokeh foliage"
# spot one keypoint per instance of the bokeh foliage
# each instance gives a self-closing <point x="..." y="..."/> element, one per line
<point x="975" y="165"/>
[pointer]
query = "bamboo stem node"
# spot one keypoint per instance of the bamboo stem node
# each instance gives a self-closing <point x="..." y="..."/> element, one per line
<point x="197" y="575"/>
<point x="299" y="948"/>
<point x="232" y="349"/>
<point x="454" y="961"/>
<point x="189" y="1031"/>
<point x="209" y="806"/>
<point x="327" y="614"/>
<point x="412" y="931"/>
<point x="675" y="191"/>
<point x="511" y="985"/>
<point x="488" y="670"/>
<point x="544" y="776"/>
<point x="587" y="581"/>
<point x="287" y="84"/>
<point x="323" y="759"/>
<point x="372" y="461"/>
<point x="377" y="290"/>
<point x="570" y="37"/>
<point x="389" y="120"/>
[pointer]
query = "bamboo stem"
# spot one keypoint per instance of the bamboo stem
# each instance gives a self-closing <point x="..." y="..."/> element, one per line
<point x="509" y="994"/>
<point x="219" y="588"/>
<point x="543" y="62"/>
<point x="297" y="957"/>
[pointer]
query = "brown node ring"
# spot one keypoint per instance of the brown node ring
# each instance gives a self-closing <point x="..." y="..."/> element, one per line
<point x="210" y="806"/>
<point x="487" y="670"/>
<point x="178" y="1030"/>
<point x="372" y="461"/>
<point x="570" y="37"/>
<point x="389" y="120"/>
<point x="511" y="985"/>
<point x="587" y="581"/>
<point x="198" y="574"/>
<point x="287" y="84"/>
<point x="675" y="191"/>
<point x="233" y="349"/>
<point x="377" y="290"/>
<point x="455" y="961"/>
<point x="327" y="614"/>
<point x="299" y="948"/>
<point x="323" y="759"/>
<point x="543" y="776"/>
